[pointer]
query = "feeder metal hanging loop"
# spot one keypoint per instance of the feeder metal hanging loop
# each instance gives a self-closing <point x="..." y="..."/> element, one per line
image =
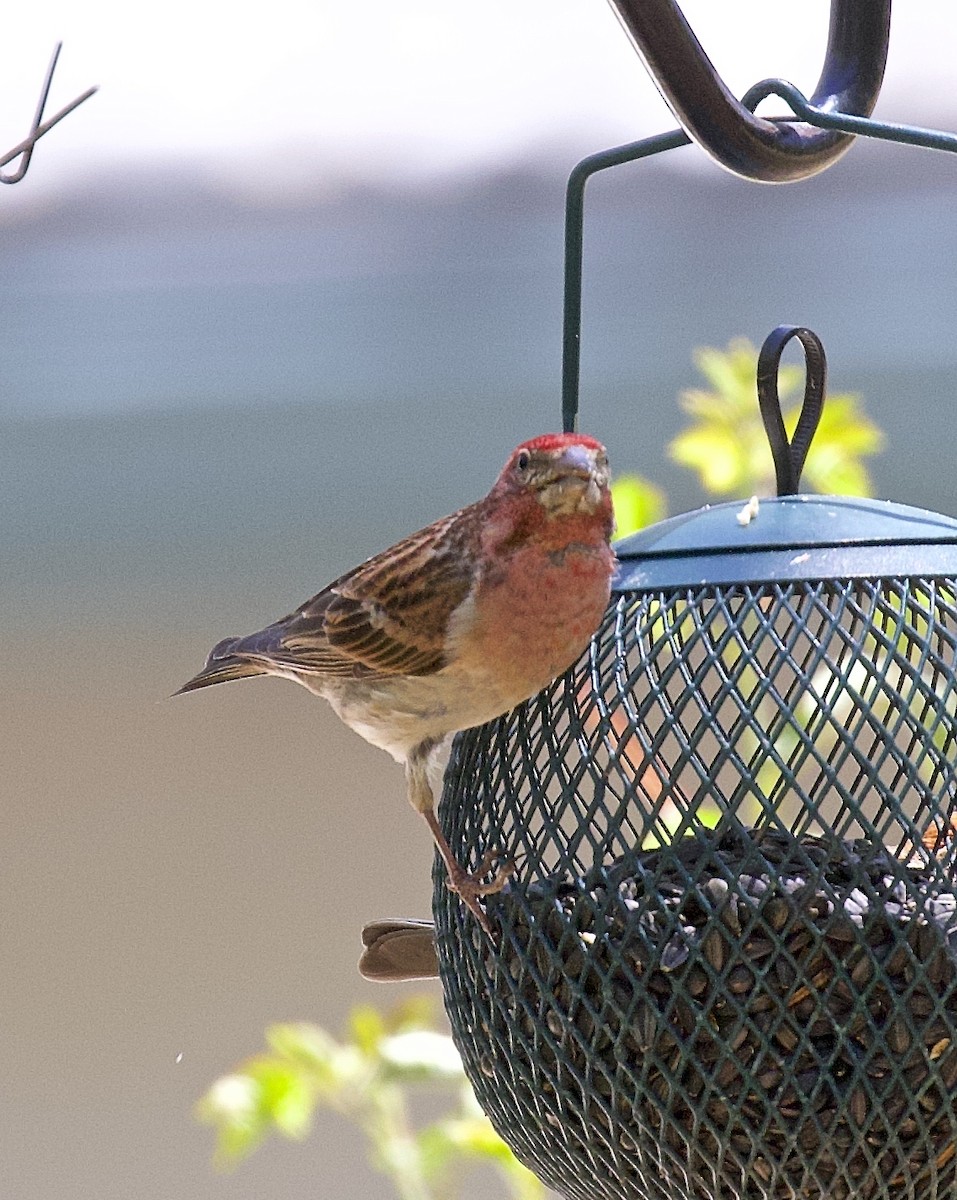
<point x="789" y="456"/>
<point x="750" y="146"/>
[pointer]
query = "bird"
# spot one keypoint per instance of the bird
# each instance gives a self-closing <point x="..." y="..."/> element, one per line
<point x="397" y="949"/>
<point x="454" y="625"/>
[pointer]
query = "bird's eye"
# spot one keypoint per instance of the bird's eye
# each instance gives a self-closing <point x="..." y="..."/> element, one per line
<point x="524" y="458"/>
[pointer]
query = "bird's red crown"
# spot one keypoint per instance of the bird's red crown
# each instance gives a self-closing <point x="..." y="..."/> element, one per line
<point x="556" y="441"/>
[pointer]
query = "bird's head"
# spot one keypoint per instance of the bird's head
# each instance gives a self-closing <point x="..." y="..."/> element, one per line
<point x="567" y="473"/>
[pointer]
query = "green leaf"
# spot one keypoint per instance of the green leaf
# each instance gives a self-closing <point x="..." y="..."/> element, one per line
<point x="286" y="1100"/>
<point x="523" y="1184"/>
<point x="727" y="447"/>
<point x="437" y="1149"/>
<point x="420" y="1055"/>
<point x="416" y="1012"/>
<point x="638" y="503"/>
<point x="302" y="1043"/>
<point x="716" y="453"/>
<point x="368" y="1028"/>
<point x="233" y="1106"/>
<point x="475" y="1135"/>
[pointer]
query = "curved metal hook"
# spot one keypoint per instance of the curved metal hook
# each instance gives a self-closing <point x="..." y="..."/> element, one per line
<point x="37" y="130"/>
<point x="750" y="146"/>
<point x="789" y="456"/>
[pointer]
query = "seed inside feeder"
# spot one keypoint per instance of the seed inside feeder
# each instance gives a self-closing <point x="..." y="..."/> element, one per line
<point x="745" y="1015"/>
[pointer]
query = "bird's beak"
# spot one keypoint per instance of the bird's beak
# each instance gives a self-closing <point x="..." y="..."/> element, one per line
<point x="576" y="481"/>
<point x="581" y="461"/>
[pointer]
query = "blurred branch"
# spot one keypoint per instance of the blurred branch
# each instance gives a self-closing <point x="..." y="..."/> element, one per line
<point x="39" y="127"/>
<point x="365" y="1077"/>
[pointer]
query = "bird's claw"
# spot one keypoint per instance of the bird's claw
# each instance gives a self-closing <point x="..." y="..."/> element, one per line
<point x="505" y="869"/>
<point x="471" y="886"/>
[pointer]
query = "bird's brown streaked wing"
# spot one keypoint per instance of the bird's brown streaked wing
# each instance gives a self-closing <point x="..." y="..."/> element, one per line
<point x="390" y="615"/>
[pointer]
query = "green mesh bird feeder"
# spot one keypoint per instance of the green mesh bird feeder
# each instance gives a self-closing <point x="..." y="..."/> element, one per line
<point x="726" y="963"/>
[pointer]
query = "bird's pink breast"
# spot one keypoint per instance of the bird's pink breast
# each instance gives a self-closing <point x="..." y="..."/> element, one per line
<point x="537" y="618"/>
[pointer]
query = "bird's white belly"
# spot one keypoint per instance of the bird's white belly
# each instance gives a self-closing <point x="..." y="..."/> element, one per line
<point x="397" y="714"/>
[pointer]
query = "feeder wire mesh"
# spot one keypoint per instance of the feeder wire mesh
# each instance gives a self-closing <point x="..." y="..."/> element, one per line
<point x="726" y="964"/>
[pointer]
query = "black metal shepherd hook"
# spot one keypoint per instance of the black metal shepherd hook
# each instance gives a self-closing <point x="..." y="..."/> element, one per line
<point x="779" y="150"/>
<point x="39" y="127"/>
<point x="748" y="145"/>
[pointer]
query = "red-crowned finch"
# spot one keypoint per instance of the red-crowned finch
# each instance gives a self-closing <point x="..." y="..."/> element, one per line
<point x="456" y="624"/>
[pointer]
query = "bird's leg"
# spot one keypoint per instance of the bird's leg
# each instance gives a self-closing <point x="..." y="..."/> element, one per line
<point x="469" y="886"/>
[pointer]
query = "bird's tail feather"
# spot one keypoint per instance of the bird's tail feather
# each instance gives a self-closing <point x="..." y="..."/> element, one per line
<point x="221" y="672"/>
<point x="222" y="667"/>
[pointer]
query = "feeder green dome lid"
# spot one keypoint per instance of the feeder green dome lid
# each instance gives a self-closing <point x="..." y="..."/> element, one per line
<point x="798" y="537"/>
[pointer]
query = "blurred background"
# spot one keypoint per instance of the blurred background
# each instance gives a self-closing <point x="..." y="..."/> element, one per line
<point x="286" y="289"/>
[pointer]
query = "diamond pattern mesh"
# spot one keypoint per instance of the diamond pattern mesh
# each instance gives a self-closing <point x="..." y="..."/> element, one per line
<point x="726" y="963"/>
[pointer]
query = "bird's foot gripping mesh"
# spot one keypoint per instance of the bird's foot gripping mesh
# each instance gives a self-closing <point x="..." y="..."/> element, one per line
<point x="727" y="964"/>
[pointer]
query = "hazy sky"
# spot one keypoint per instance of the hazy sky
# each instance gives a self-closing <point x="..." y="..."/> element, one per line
<point x="384" y="87"/>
